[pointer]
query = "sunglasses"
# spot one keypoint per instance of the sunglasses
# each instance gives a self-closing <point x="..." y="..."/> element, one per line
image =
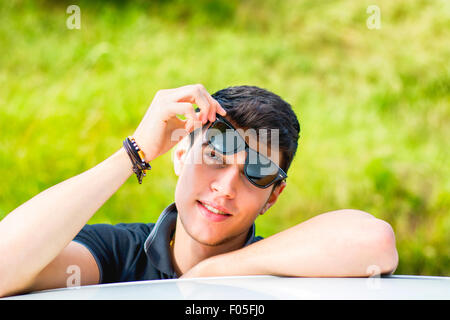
<point x="223" y="138"/>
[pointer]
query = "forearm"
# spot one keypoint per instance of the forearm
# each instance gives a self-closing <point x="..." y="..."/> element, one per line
<point x="336" y="244"/>
<point x="33" y="234"/>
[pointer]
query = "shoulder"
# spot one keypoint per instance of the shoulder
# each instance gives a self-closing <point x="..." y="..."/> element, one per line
<point x="118" y="233"/>
<point x="116" y="248"/>
<point x="136" y="229"/>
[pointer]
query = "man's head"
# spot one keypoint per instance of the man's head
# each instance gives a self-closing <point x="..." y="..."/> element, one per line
<point x="208" y="187"/>
<point x="259" y="109"/>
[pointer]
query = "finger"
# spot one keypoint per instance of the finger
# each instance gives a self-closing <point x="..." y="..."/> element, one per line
<point x="182" y="108"/>
<point x="202" y="101"/>
<point x="223" y="112"/>
<point x="217" y="108"/>
<point x="189" y="122"/>
<point x="212" y="113"/>
<point x="194" y="94"/>
<point x="186" y="109"/>
<point x="205" y="107"/>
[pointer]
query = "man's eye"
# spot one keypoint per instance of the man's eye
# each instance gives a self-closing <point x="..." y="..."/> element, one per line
<point x="211" y="156"/>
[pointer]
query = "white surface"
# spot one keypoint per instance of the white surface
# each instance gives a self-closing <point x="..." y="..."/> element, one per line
<point x="259" y="288"/>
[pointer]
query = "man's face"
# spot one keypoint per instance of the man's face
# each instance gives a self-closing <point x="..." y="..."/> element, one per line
<point x="216" y="202"/>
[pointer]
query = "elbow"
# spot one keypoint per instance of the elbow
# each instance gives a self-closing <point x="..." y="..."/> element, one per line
<point x="385" y="255"/>
<point x="5" y="288"/>
<point x="7" y="291"/>
<point x="10" y="284"/>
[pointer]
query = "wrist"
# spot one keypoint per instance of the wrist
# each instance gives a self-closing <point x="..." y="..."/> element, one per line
<point x="137" y="158"/>
<point x="122" y="157"/>
<point x="211" y="267"/>
<point x="148" y="151"/>
<point x="228" y="264"/>
<point x="241" y="262"/>
<point x="206" y="268"/>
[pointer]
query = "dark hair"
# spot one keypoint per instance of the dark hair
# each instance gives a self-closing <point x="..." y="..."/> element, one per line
<point x="253" y="107"/>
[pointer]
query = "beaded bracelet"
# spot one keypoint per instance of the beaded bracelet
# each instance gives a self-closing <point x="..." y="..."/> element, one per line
<point x="137" y="158"/>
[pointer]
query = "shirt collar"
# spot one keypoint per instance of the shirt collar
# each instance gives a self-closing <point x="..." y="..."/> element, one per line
<point x="156" y="245"/>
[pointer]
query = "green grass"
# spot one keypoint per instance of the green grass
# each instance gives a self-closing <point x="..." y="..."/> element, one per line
<point x="374" y="105"/>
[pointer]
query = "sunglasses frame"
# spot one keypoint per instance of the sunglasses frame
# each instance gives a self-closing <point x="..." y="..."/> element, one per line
<point x="281" y="174"/>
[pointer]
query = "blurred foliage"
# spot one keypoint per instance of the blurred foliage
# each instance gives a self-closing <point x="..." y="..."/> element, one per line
<point x="373" y="104"/>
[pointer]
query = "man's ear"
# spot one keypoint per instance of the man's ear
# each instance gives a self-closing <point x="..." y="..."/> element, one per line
<point x="273" y="196"/>
<point x="180" y="153"/>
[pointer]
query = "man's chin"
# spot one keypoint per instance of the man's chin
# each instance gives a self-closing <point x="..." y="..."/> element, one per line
<point x="211" y="242"/>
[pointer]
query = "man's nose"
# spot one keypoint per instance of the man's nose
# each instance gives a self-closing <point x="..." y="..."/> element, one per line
<point x="226" y="181"/>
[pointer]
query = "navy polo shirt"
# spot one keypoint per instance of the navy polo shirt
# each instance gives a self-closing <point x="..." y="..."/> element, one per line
<point x="136" y="251"/>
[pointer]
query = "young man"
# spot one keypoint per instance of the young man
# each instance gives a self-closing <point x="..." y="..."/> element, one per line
<point x="209" y="230"/>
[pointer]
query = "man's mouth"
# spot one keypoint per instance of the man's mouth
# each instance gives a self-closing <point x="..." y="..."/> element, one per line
<point x="213" y="209"/>
<point x="216" y="211"/>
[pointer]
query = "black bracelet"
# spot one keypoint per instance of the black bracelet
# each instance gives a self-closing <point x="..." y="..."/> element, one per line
<point x="136" y="156"/>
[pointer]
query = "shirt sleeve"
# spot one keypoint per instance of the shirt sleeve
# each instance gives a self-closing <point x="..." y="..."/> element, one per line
<point x="117" y="249"/>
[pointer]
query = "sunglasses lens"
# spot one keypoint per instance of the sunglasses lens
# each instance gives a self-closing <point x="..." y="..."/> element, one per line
<point x="225" y="139"/>
<point x="260" y="170"/>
